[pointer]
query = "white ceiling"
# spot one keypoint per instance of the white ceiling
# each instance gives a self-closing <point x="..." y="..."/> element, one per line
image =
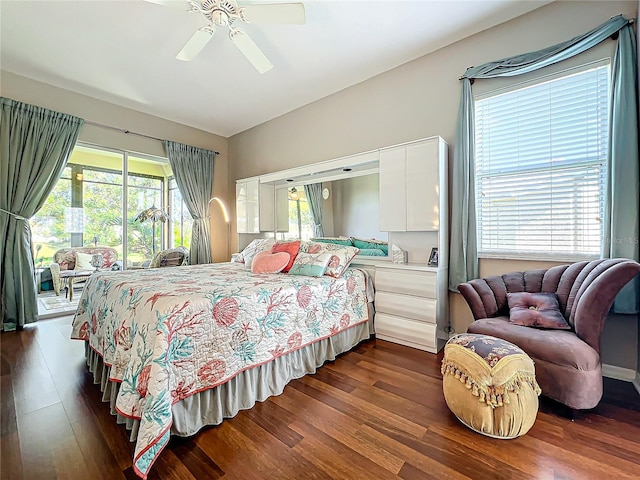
<point x="123" y="52"/>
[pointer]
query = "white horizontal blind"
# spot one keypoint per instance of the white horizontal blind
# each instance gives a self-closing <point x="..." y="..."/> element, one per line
<point x="540" y="167"/>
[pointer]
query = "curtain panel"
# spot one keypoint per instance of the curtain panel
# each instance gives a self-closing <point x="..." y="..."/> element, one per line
<point x="193" y="170"/>
<point x="463" y="261"/>
<point x="35" y="144"/>
<point x="622" y="217"/>
<point x="314" y="198"/>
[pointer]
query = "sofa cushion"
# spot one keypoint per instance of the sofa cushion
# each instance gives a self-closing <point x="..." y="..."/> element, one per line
<point x="66" y="257"/>
<point x="83" y="261"/>
<point x="555" y="346"/>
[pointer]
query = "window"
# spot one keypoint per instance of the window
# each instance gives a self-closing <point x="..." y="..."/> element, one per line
<point x="48" y="226"/>
<point x="181" y="221"/>
<point x="86" y="207"/>
<point x="300" y="220"/>
<point x="144" y="239"/>
<point x="541" y="154"/>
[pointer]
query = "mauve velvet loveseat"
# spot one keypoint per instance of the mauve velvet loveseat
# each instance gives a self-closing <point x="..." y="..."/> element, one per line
<point x="567" y="362"/>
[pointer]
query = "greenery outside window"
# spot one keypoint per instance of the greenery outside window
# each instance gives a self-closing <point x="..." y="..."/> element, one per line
<point x="92" y="189"/>
<point x="181" y="222"/>
<point x="300" y="219"/>
<point x="48" y="225"/>
<point x="144" y="191"/>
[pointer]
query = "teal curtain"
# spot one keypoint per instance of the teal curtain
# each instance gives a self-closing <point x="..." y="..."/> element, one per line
<point x="35" y="144"/>
<point x="193" y="170"/>
<point x="314" y="198"/>
<point x="463" y="254"/>
<point x="622" y="215"/>
<point x="463" y="261"/>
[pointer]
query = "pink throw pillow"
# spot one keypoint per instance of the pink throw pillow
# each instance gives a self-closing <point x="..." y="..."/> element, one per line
<point x="540" y="310"/>
<point x="291" y="248"/>
<point x="267" y="262"/>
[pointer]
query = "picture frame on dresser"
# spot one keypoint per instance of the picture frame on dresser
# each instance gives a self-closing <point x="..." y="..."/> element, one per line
<point x="433" y="258"/>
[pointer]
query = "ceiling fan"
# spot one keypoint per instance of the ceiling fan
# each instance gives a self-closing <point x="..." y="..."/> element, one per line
<point x="227" y="13"/>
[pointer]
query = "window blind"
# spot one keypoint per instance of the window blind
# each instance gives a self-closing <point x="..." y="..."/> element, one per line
<point x="541" y="155"/>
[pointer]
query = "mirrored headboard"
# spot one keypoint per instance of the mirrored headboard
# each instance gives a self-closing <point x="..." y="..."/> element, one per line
<point x="348" y="189"/>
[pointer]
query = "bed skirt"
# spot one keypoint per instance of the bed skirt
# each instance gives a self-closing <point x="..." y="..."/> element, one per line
<point x="211" y="407"/>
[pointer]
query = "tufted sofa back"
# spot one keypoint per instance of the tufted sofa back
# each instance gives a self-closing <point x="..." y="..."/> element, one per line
<point x="66" y="257"/>
<point x="585" y="291"/>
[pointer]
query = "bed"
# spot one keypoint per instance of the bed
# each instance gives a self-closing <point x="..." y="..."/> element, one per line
<point x="180" y="348"/>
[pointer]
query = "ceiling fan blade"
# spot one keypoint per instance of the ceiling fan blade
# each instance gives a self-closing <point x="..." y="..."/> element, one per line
<point x="290" y="13"/>
<point x="178" y="4"/>
<point x="250" y="50"/>
<point x="195" y="44"/>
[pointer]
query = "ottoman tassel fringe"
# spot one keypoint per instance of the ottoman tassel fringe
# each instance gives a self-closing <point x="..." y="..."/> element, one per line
<point x="494" y="396"/>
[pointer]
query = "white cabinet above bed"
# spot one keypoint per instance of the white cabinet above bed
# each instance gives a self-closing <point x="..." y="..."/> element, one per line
<point x="260" y="206"/>
<point x="411" y="177"/>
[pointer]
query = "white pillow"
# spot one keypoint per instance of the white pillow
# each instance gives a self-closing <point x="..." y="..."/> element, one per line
<point x="83" y="261"/>
<point x="255" y="247"/>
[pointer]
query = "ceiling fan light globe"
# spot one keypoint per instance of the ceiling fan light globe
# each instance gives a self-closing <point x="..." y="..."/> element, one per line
<point x="220" y="18"/>
<point x="225" y="13"/>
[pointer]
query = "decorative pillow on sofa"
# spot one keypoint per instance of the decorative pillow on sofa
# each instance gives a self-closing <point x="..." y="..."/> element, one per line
<point x="83" y="261"/>
<point x="267" y="262"/>
<point x="341" y="256"/>
<point x="292" y="248"/>
<point x="536" y="310"/>
<point x="311" y="264"/>
<point x="255" y="247"/>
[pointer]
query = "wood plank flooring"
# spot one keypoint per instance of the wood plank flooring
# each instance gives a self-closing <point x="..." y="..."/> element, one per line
<point x="376" y="412"/>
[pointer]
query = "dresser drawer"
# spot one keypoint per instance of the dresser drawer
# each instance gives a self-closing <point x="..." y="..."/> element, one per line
<point x="405" y="331"/>
<point x="421" y="284"/>
<point x="417" y="308"/>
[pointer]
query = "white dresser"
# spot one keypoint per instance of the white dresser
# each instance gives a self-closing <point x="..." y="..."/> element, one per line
<point x="410" y="308"/>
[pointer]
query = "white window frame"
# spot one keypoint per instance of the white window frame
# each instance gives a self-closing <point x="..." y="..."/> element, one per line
<point x="530" y="255"/>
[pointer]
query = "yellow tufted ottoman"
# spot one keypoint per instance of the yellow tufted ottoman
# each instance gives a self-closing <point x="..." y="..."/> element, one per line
<point x="490" y="385"/>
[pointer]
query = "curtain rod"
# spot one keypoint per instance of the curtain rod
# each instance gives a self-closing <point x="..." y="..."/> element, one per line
<point x="129" y="132"/>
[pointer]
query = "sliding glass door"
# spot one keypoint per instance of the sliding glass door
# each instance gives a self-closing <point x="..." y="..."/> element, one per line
<point x="146" y="211"/>
<point x="48" y="228"/>
<point x="104" y="198"/>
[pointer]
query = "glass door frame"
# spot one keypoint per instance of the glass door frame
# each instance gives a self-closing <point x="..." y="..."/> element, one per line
<point x="125" y="191"/>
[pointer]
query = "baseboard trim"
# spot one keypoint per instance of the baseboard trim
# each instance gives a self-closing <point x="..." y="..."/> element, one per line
<point x="636" y="382"/>
<point x="620" y="373"/>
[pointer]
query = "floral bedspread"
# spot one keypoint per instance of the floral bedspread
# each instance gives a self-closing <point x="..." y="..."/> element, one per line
<point x="171" y="332"/>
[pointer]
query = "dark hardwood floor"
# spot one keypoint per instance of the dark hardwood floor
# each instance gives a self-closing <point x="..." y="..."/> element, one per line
<point x="376" y="412"/>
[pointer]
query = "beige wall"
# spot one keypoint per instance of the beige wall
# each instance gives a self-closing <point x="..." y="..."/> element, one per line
<point x="417" y="100"/>
<point x="36" y="93"/>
